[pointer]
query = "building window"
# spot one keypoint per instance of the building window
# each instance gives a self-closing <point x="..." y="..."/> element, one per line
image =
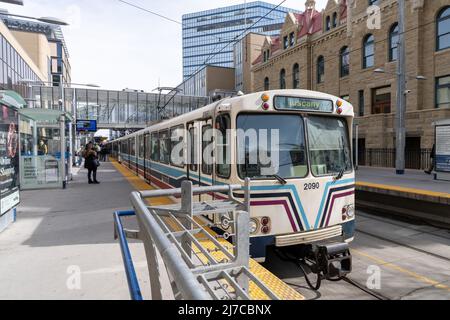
<point x="266" y="83"/>
<point x="345" y="61"/>
<point x="320" y="69"/>
<point x="296" y="76"/>
<point x="381" y="100"/>
<point x="393" y="42"/>
<point x="443" y="29"/>
<point x="368" y="51"/>
<point x="266" y="55"/>
<point x="285" y="42"/>
<point x="327" y="23"/>
<point x="335" y="20"/>
<point x="283" y="79"/>
<point x="361" y="103"/>
<point x="443" y="92"/>
<point x="291" y="39"/>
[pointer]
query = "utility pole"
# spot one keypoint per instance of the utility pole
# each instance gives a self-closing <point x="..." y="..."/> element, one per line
<point x="401" y="92"/>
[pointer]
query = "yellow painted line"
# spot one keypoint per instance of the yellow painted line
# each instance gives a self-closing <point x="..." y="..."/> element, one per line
<point x="280" y="288"/>
<point x="410" y="273"/>
<point x="403" y="189"/>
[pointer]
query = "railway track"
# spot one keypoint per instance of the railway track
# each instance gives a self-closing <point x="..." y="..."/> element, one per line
<point x="364" y="288"/>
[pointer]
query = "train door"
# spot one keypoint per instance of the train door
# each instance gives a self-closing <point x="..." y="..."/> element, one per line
<point x="193" y="168"/>
<point x="147" y="157"/>
<point x="130" y="154"/>
<point x="140" y="152"/>
<point x="206" y="155"/>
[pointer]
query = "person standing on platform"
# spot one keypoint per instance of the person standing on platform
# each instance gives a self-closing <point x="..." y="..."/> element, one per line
<point x="432" y="157"/>
<point x="91" y="163"/>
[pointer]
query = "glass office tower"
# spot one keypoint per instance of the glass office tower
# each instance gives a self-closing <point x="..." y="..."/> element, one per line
<point x="211" y="31"/>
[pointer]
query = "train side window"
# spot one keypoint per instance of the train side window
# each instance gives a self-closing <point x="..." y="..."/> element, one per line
<point x="141" y="146"/>
<point x="193" y="149"/>
<point x="177" y="141"/>
<point x="207" y="139"/>
<point x="164" y="147"/>
<point x="223" y="166"/>
<point x="155" y="146"/>
<point x="132" y="147"/>
<point x="148" y="146"/>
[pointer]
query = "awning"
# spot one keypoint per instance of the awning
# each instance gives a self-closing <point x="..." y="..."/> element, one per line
<point x="44" y="115"/>
<point x="12" y="99"/>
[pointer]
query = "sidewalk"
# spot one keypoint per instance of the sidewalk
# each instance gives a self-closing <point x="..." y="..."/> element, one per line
<point x="415" y="179"/>
<point x="59" y="232"/>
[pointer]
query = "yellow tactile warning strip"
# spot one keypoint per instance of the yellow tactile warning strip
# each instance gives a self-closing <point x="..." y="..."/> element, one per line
<point x="280" y="288"/>
<point x="403" y="189"/>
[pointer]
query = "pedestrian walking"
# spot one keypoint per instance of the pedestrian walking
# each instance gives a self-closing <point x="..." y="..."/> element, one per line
<point x="91" y="163"/>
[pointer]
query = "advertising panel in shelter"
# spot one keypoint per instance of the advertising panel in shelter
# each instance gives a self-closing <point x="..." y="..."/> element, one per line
<point x="9" y="159"/>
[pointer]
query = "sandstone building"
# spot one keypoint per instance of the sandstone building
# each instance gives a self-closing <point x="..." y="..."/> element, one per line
<point x="350" y="50"/>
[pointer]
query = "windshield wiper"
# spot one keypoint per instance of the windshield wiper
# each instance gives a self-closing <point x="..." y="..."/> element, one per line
<point x="339" y="175"/>
<point x="280" y="179"/>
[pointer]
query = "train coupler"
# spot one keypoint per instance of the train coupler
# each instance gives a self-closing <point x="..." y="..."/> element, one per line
<point x="333" y="259"/>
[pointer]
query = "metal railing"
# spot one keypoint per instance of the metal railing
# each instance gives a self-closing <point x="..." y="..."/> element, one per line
<point x="414" y="159"/>
<point x="200" y="263"/>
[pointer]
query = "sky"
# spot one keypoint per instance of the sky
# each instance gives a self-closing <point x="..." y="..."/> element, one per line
<point x="117" y="46"/>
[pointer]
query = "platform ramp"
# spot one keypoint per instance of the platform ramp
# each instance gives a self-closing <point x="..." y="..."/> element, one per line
<point x="200" y="263"/>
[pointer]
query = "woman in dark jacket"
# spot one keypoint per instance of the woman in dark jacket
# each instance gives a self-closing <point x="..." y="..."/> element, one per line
<point x="91" y="162"/>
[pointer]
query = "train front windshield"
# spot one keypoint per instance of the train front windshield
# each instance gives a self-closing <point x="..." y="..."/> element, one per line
<point x="285" y="136"/>
<point x="328" y="145"/>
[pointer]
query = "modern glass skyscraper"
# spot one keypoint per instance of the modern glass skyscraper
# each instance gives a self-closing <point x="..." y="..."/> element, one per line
<point x="210" y="31"/>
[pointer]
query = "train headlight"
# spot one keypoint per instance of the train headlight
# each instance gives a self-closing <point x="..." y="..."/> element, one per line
<point x="351" y="211"/>
<point x="253" y="226"/>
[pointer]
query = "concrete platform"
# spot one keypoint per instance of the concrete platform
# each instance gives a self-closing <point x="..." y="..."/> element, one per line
<point x="62" y="245"/>
<point x="414" y="194"/>
<point x="415" y="180"/>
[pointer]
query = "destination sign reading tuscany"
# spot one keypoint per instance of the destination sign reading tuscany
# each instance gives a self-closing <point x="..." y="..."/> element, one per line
<point x="307" y="104"/>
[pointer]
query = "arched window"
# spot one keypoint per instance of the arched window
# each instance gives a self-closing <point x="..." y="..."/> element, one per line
<point x="327" y="23"/>
<point x="393" y="42"/>
<point x="335" y="20"/>
<point x="296" y="76"/>
<point x="443" y="29"/>
<point x="344" y="61"/>
<point x="266" y="84"/>
<point x="368" y="51"/>
<point x="320" y="69"/>
<point x="283" y="79"/>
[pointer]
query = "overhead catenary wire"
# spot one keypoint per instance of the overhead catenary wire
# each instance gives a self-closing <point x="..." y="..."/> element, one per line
<point x="238" y="38"/>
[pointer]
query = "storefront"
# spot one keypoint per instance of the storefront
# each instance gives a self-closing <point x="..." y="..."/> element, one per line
<point x="10" y="104"/>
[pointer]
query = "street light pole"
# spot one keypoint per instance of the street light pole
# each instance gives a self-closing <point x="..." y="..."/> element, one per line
<point x="401" y="93"/>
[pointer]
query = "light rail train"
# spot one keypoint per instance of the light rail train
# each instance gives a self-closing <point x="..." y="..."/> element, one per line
<point x="308" y="200"/>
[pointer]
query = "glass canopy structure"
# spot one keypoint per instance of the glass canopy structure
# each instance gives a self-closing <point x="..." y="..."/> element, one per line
<point x="115" y="109"/>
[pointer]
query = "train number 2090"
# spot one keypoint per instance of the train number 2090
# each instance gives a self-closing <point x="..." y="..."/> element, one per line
<point x="311" y="186"/>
